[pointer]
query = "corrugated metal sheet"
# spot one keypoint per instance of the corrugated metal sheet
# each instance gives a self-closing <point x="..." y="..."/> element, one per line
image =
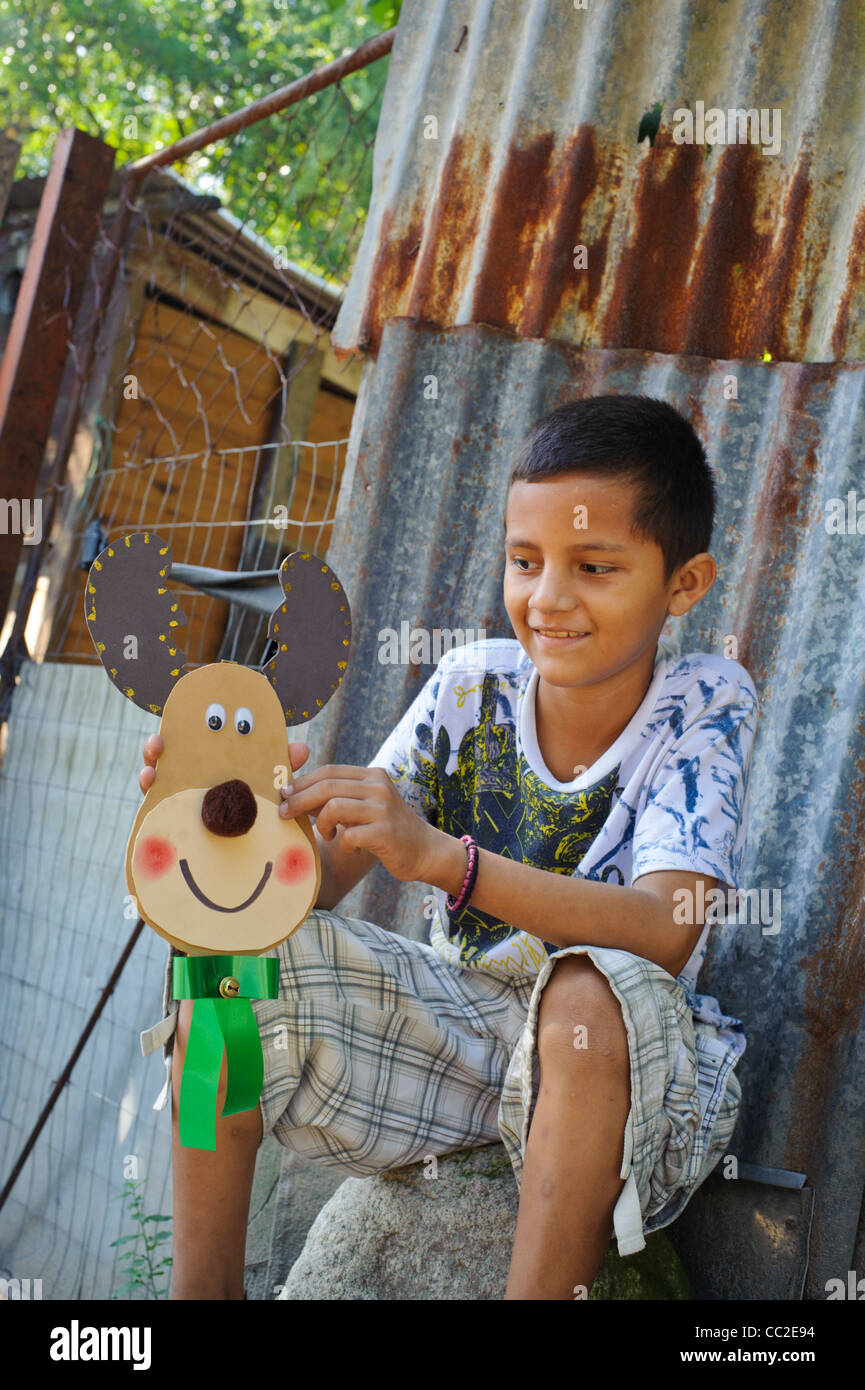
<point x="721" y="251"/>
<point x="419" y="539"/>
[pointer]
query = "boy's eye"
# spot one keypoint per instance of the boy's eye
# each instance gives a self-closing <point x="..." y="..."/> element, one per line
<point x="597" y="569"/>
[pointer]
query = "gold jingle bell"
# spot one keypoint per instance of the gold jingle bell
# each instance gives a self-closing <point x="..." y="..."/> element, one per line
<point x="229" y="988"/>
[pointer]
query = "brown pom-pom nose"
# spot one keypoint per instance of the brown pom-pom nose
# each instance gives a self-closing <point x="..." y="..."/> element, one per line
<point x="229" y="808"/>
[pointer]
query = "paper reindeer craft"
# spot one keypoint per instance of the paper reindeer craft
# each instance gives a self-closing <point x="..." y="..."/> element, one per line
<point x="210" y="862"/>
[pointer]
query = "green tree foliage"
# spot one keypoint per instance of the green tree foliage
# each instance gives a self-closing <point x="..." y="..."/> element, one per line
<point x="141" y="74"/>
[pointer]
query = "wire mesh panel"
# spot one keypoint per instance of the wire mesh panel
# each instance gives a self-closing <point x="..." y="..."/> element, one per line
<point x="201" y="400"/>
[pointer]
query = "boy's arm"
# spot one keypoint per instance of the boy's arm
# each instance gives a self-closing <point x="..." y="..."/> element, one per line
<point x="567" y="910"/>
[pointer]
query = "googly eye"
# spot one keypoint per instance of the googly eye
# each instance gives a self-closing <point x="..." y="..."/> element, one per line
<point x="215" y="717"/>
<point x="243" y="720"/>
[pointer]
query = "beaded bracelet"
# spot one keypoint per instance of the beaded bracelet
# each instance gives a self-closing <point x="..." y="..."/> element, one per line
<point x="457" y="904"/>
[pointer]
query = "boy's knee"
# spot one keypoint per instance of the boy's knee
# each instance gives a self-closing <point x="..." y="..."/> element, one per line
<point x="579" y="1015"/>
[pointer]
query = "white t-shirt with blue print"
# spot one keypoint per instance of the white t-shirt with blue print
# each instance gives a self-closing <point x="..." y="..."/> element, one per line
<point x="670" y="793"/>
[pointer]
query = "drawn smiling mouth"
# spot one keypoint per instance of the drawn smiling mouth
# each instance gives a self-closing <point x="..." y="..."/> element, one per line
<point x="217" y="907"/>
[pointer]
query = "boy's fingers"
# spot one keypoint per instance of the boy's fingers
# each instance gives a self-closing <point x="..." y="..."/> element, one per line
<point x="146" y="777"/>
<point x="153" y="749"/>
<point x="330" y="771"/>
<point x="298" y="753"/>
<point x="310" y="799"/>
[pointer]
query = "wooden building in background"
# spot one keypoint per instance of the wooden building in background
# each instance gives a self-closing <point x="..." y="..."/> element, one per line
<point x="214" y="403"/>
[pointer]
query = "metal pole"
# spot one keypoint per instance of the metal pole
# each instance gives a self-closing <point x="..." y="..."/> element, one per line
<point x="361" y="57"/>
<point x="51" y="289"/>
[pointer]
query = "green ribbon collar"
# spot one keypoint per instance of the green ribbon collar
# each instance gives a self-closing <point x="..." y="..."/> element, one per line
<point x="222" y="1022"/>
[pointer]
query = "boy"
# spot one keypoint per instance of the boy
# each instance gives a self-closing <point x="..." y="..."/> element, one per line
<point x="572" y="795"/>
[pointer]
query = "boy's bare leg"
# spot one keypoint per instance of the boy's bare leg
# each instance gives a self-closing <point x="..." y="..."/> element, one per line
<point x="570" y="1182"/>
<point x="211" y="1193"/>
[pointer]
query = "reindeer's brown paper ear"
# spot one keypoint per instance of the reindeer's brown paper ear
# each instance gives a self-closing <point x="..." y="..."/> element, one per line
<point x="312" y="629"/>
<point x="133" y="618"/>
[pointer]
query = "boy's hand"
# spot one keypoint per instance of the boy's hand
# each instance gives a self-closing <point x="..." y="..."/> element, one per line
<point x="154" y="747"/>
<point x="367" y="804"/>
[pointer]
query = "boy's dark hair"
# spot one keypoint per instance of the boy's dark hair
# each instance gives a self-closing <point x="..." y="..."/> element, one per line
<point x="640" y="439"/>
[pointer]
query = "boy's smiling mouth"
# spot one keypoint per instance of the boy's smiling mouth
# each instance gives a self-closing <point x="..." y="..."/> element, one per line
<point x="558" y="634"/>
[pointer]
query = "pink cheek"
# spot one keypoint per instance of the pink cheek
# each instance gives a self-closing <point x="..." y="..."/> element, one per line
<point x="293" y="865"/>
<point x="154" y="856"/>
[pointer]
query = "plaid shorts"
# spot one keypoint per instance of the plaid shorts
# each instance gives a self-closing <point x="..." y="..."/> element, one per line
<point x="379" y="1053"/>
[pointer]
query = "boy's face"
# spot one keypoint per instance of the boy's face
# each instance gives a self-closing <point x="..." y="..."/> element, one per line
<point x="591" y="577"/>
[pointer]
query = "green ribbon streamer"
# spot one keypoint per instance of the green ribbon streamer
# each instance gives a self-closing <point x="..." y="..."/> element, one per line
<point x="220" y="1025"/>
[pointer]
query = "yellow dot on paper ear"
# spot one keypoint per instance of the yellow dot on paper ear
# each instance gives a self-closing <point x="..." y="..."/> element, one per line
<point x="126" y="542"/>
<point x="112" y="670"/>
<point x="164" y="572"/>
<point x="90" y="588"/>
<point x="345" y="641"/>
<point x="164" y="551"/>
<point x="276" y="627"/>
<point x="175" y="672"/>
<point x="100" y="646"/>
<point x="129" y="692"/>
<point x="97" y="565"/>
<point x="173" y="622"/>
<point x="155" y="708"/>
<point x="162" y="591"/>
<point x="334" y="585"/>
<point x="172" y="651"/>
<point x="110" y="551"/>
<point x="283" y="648"/>
<point x="286" y="586"/>
<point x="319" y="703"/>
<point x="92" y="615"/>
<point x="173" y="608"/>
<point x="341" y="665"/>
<point x="306" y="714"/>
<point x="305" y="554"/>
<point x="162" y="636"/>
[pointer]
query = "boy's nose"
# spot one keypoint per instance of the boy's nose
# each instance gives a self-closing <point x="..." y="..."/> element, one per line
<point x="229" y="808"/>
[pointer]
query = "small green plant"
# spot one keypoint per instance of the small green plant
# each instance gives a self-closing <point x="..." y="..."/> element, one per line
<point x="143" y="1268"/>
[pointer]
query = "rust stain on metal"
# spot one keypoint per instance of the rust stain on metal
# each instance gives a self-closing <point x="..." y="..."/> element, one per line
<point x="512" y="236"/>
<point x="737" y="283"/>
<point x="726" y="292"/>
<point x="571" y="182"/>
<point x="778" y="284"/>
<point x="743" y="284"/>
<point x="855" y="276"/>
<point x="391" y="273"/>
<point x="528" y="271"/>
<point x="448" y="237"/>
<point x="649" y="304"/>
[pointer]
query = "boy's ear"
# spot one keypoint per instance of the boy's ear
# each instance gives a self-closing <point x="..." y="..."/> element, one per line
<point x="693" y="579"/>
